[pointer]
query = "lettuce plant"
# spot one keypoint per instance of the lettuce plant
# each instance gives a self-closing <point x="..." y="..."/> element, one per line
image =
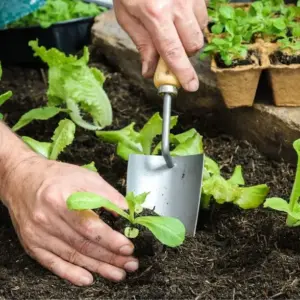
<point x="74" y="88"/>
<point x="169" y="231"/>
<point x="58" y="10"/>
<point x="229" y="48"/>
<point x="215" y="186"/>
<point x="63" y="136"/>
<point x="291" y="208"/>
<point x="3" y="97"/>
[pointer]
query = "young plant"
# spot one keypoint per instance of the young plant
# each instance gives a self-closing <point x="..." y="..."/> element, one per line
<point x="63" y="136"/>
<point x="74" y="88"/>
<point x="4" y="97"/>
<point x="56" y="11"/>
<point x="229" y="48"/>
<point x="291" y="208"/>
<point x="169" y="231"/>
<point x="187" y="143"/>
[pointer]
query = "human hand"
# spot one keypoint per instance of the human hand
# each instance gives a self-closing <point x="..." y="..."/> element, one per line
<point x="68" y="243"/>
<point x="169" y="28"/>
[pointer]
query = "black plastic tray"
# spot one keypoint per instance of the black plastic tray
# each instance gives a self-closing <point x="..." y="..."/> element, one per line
<point x="67" y="36"/>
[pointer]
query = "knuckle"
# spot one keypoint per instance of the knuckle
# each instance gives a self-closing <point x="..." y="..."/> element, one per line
<point x="27" y="233"/>
<point x="84" y="246"/>
<point x="40" y="218"/>
<point x="112" y="259"/>
<point x="194" y="47"/>
<point x="173" y="51"/>
<point x="72" y="256"/>
<point x="154" y="10"/>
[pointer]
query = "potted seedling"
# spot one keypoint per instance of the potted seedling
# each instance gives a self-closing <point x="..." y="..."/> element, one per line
<point x="139" y="224"/>
<point x="284" y="71"/>
<point x="237" y="67"/>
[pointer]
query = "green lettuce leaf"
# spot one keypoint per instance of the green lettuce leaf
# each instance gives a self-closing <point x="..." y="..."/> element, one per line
<point x="91" y="166"/>
<point x="41" y="148"/>
<point x="63" y="136"/>
<point x="76" y="86"/>
<point x="42" y="113"/>
<point x="169" y="231"/>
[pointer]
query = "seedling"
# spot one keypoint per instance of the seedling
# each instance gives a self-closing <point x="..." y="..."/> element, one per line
<point x="4" y="97"/>
<point x="169" y="231"/>
<point x="215" y="186"/>
<point x="291" y="208"/>
<point x="229" y="48"/>
<point x="74" y="88"/>
<point x="58" y="10"/>
<point x="63" y="136"/>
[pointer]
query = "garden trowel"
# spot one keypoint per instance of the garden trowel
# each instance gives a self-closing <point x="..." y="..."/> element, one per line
<point x="174" y="183"/>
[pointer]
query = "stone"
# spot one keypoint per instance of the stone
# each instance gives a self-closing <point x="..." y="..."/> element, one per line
<point x="272" y="129"/>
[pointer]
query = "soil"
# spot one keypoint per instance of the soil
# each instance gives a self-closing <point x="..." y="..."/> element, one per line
<point x="235" y="255"/>
<point x="251" y="58"/>
<point x="281" y="58"/>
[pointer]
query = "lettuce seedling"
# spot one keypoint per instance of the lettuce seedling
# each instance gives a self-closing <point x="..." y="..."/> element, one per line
<point x="129" y="141"/>
<point x="229" y="48"/>
<point x="169" y="231"/>
<point x="75" y="87"/>
<point x="4" y="97"/>
<point x="63" y="136"/>
<point x="56" y="11"/>
<point x="291" y="208"/>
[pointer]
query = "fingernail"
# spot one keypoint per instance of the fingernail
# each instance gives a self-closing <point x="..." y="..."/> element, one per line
<point x="193" y="85"/>
<point x="131" y="266"/>
<point x="126" y="250"/>
<point x="86" y="280"/>
<point x="118" y="275"/>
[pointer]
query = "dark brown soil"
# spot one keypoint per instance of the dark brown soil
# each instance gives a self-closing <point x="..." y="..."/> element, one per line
<point x="235" y="254"/>
<point x="281" y="58"/>
<point x="236" y="62"/>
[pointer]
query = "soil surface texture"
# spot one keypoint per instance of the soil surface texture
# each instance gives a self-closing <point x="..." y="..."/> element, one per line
<point x="282" y="58"/>
<point x="235" y="255"/>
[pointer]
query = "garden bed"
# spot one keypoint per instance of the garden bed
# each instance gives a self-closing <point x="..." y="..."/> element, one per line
<point x="235" y="255"/>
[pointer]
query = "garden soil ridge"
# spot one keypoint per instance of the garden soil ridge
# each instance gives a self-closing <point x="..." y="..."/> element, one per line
<point x="235" y="254"/>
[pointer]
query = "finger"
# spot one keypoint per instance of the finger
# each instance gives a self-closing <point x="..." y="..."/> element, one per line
<point x="74" y="257"/>
<point x="75" y="274"/>
<point x="168" y="44"/>
<point x="189" y="32"/>
<point x="89" y="225"/>
<point x="141" y="39"/>
<point x="94" y="250"/>
<point x="200" y="11"/>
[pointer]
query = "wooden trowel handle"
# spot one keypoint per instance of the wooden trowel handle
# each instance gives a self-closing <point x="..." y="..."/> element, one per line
<point x="164" y="76"/>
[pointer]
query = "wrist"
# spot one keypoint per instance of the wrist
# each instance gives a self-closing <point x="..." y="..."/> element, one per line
<point x="16" y="163"/>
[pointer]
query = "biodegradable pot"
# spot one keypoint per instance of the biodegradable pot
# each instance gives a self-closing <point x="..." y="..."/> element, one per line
<point x="284" y="80"/>
<point x="238" y="85"/>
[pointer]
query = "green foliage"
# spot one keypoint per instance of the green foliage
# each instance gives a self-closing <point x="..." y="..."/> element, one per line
<point x="58" y="10"/>
<point x="75" y="88"/>
<point x="63" y="136"/>
<point x="4" y="97"/>
<point x="169" y="231"/>
<point x="229" y="48"/>
<point x="270" y="19"/>
<point x="190" y="142"/>
<point x="291" y="208"/>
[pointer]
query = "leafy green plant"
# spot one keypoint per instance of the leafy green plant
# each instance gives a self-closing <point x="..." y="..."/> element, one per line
<point x="75" y="88"/>
<point x="169" y="231"/>
<point x="129" y="141"/>
<point x="4" y="97"/>
<point x="229" y="48"/>
<point x="58" y="10"/>
<point x="63" y="136"/>
<point x="291" y="208"/>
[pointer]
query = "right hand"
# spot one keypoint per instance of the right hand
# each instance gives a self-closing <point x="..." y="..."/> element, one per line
<point x="171" y="29"/>
<point x="71" y="244"/>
